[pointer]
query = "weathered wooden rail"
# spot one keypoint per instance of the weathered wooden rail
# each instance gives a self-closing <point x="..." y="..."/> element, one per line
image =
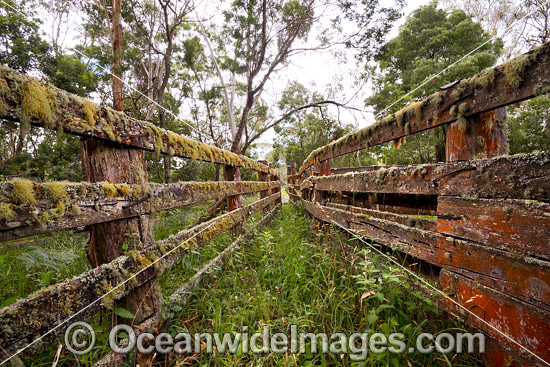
<point x="116" y="201"/>
<point x="481" y="219"/>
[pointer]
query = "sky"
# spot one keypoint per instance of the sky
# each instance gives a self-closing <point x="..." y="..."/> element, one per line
<point x="316" y="70"/>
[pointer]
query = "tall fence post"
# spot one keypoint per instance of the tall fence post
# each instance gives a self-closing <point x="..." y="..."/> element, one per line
<point x="478" y="137"/>
<point x="275" y="189"/>
<point x="105" y="161"/>
<point x="233" y="201"/>
<point x="263" y="177"/>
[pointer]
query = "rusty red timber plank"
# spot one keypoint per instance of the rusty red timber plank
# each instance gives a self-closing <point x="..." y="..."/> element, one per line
<point x="63" y="205"/>
<point x="519" y="320"/>
<point x="62" y="110"/>
<point x="27" y="319"/>
<point x="521" y="276"/>
<point x="491" y="89"/>
<point x="522" y="176"/>
<point x="518" y="225"/>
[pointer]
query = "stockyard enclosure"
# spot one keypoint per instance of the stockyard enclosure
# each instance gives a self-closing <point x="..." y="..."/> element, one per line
<point x="476" y="227"/>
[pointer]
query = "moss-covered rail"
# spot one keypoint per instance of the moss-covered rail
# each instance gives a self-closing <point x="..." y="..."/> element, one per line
<point x="478" y="224"/>
<point x="114" y="207"/>
<point x="30" y="102"/>
<point x="524" y="77"/>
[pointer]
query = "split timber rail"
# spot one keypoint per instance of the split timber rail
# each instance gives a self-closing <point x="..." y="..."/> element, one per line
<point x="116" y="201"/>
<point x="479" y="222"/>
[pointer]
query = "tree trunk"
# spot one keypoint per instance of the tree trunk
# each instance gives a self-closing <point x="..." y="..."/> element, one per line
<point x="118" y="95"/>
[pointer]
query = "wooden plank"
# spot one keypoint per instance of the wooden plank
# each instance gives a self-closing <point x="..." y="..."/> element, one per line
<point x="519" y="320"/>
<point x="519" y="225"/>
<point x="61" y="205"/>
<point x="75" y="115"/>
<point x="520" y="276"/>
<point x="494" y="88"/>
<point x="522" y="176"/>
<point x="413" y="221"/>
<point x="27" y="319"/>
<point x="340" y="171"/>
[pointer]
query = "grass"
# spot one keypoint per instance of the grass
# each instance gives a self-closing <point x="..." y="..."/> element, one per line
<point x="289" y="274"/>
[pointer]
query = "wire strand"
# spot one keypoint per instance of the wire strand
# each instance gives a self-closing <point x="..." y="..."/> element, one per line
<point x="442" y="293"/>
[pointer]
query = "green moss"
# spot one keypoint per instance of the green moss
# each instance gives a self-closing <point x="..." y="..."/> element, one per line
<point x="463" y="123"/>
<point x="35" y="106"/>
<point x="514" y="70"/>
<point x="463" y="108"/>
<point x="399" y="117"/>
<point x="541" y="89"/>
<point x="54" y="191"/>
<point x="109" y="189"/>
<point x="453" y="111"/>
<point x="418" y="111"/>
<point x="89" y="110"/>
<point x="407" y="129"/>
<point x="436" y="100"/>
<point x="459" y="90"/>
<point x="485" y="79"/>
<point x="6" y="212"/>
<point x="74" y="210"/>
<point x="59" y="209"/>
<point x="44" y="218"/>
<point x="22" y="192"/>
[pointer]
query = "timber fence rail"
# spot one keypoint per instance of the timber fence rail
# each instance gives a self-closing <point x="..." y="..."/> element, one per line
<point x="117" y="199"/>
<point x="478" y="224"/>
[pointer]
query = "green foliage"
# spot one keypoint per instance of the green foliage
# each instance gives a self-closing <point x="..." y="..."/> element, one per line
<point x="530" y="127"/>
<point x="430" y="40"/>
<point x="21" y="45"/>
<point x="305" y="130"/>
<point x="69" y="73"/>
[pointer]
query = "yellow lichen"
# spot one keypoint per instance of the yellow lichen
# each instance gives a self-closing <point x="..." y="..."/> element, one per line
<point x="463" y="123"/>
<point x="74" y="210"/>
<point x="436" y="100"/>
<point x="514" y="69"/>
<point x="35" y="106"/>
<point x="463" y="108"/>
<point x="109" y="189"/>
<point x="485" y="79"/>
<point x="23" y="192"/>
<point x="408" y="129"/>
<point x="59" y="209"/>
<point x="89" y="110"/>
<point x="54" y="190"/>
<point x="6" y="212"/>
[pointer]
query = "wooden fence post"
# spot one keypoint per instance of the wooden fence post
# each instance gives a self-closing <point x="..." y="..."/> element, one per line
<point x="477" y="137"/>
<point x="264" y="177"/>
<point x="234" y="201"/>
<point x="105" y="161"/>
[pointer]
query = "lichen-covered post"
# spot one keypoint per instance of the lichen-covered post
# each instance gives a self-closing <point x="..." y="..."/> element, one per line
<point x="263" y="177"/>
<point x="106" y="161"/>
<point x="273" y="178"/>
<point x="477" y="137"/>
<point x="233" y="201"/>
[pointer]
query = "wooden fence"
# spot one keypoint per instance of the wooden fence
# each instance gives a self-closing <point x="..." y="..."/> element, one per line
<point x="478" y="225"/>
<point x="116" y="203"/>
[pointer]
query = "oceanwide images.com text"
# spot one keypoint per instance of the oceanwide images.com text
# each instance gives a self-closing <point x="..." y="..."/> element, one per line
<point x="356" y="345"/>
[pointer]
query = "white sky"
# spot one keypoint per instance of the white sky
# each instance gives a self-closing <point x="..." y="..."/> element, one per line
<point x="315" y="70"/>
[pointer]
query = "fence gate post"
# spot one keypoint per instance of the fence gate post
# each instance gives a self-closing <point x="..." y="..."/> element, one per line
<point x="105" y="161"/>
<point x="263" y="177"/>
<point x="233" y="201"/>
<point x="480" y="136"/>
